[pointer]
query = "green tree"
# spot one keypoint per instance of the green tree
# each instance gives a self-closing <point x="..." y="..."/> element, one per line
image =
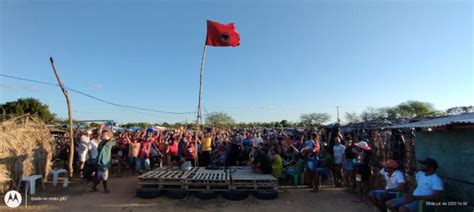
<point x="372" y="113"/>
<point x="460" y="110"/>
<point x="314" y="119"/>
<point x="285" y="123"/>
<point x="219" y="119"/>
<point x="352" y="117"/>
<point x="28" y="105"/>
<point x="137" y="124"/>
<point x="416" y="109"/>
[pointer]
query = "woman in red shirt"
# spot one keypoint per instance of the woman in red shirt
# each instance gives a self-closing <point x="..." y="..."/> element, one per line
<point x="190" y="154"/>
<point x="145" y="153"/>
<point x="172" y="151"/>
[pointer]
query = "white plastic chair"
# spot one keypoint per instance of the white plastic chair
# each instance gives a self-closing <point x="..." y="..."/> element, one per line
<point x="30" y="182"/>
<point x="55" y="173"/>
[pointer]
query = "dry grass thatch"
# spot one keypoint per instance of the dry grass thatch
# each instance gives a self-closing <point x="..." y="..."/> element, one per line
<point x="25" y="149"/>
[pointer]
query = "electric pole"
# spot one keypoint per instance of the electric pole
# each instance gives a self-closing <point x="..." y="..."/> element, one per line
<point x="338" y="120"/>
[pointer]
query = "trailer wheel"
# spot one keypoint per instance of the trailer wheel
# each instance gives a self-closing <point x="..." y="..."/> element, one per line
<point x="235" y="195"/>
<point x="148" y="192"/>
<point x="176" y="194"/>
<point x="205" y="195"/>
<point x="265" y="195"/>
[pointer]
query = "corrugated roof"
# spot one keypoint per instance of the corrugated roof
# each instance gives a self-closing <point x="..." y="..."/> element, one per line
<point x="465" y="118"/>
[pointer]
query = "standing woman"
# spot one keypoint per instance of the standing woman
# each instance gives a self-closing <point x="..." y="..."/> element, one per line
<point x="173" y="149"/>
<point x="363" y="169"/>
<point x="190" y="154"/>
<point x="206" y="143"/>
<point x="349" y="166"/>
<point x="144" y="155"/>
<point x="311" y="152"/>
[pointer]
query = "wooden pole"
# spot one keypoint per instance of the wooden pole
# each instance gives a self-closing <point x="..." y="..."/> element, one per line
<point x="69" y="112"/>
<point x="198" y="114"/>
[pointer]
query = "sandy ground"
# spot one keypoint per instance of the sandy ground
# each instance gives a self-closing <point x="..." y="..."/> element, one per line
<point x="122" y="198"/>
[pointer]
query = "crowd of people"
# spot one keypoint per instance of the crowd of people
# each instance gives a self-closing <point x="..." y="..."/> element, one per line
<point x="348" y="160"/>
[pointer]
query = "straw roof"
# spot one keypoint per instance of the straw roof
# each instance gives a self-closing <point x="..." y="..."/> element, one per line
<point x="25" y="149"/>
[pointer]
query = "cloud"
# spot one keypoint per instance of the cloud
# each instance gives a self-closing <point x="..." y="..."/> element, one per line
<point x="16" y="87"/>
<point x="31" y="89"/>
<point x="95" y="85"/>
<point x="6" y="85"/>
<point x="272" y="107"/>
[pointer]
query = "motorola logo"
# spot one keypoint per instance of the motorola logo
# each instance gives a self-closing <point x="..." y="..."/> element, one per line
<point x="13" y="199"/>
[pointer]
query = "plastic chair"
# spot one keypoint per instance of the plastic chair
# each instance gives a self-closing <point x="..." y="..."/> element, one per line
<point x="422" y="203"/>
<point x="55" y="173"/>
<point x="295" y="172"/>
<point x="30" y="182"/>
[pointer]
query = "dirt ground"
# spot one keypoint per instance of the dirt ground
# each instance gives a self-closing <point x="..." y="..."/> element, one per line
<point x="77" y="197"/>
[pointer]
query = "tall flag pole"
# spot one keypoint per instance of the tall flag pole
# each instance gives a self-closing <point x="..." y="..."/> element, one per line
<point x="221" y="35"/>
<point x="199" y="115"/>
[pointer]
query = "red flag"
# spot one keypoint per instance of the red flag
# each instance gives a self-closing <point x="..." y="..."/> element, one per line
<point x="222" y="34"/>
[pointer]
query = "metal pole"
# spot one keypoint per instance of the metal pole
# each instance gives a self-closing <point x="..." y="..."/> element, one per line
<point x="69" y="112"/>
<point x="199" y="115"/>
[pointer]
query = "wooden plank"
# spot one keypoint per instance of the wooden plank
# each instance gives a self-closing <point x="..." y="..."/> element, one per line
<point x="188" y="173"/>
<point x="146" y="174"/>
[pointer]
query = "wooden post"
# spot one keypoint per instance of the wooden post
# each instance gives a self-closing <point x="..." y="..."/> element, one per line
<point x="69" y="112"/>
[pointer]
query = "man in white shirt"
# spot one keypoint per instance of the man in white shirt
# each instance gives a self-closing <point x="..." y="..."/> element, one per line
<point x="258" y="139"/>
<point x="428" y="187"/>
<point x="395" y="182"/>
<point x="83" y="149"/>
<point x="338" y="154"/>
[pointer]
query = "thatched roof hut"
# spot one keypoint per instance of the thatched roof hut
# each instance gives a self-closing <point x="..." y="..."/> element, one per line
<point x="25" y="149"/>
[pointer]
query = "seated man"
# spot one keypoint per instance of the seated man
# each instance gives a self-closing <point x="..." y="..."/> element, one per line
<point x="428" y="187"/>
<point x="395" y="183"/>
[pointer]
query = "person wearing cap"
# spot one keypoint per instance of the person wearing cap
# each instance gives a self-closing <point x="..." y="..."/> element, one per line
<point x="104" y="161"/>
<point x="363" y="173"/>
<point x="395" y="182"/>
<point x="428" y="187"/>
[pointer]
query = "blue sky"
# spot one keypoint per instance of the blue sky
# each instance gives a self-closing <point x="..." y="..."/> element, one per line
<point x="295" y="56"/>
